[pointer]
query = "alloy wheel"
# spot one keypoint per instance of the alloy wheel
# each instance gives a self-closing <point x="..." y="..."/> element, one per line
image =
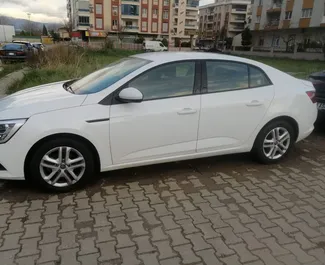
<point x="62" y="166"/>
<point x="276" y="143"/>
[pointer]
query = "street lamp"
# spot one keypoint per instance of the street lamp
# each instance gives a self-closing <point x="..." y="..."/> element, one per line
<point x="30" y="26"/>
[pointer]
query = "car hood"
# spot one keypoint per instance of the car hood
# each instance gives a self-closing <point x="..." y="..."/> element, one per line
<point x="38" y="99"/>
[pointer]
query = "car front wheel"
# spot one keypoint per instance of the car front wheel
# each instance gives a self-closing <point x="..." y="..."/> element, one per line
<point x="62" y="165"/>
<point x="274" y="142"/>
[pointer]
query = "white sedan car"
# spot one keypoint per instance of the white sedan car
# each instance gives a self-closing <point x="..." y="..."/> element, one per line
<point x="152" y="108"/>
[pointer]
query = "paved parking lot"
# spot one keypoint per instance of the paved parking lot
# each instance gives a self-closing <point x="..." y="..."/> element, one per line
<point x="221" y="210"/>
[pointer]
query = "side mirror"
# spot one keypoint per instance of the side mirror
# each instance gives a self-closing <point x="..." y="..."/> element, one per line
<point x="130" y="95"/>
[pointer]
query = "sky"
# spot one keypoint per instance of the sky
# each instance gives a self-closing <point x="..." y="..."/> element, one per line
<point x="41" y="10"/>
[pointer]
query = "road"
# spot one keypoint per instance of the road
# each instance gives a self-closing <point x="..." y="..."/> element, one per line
<point x="220" y="210"/>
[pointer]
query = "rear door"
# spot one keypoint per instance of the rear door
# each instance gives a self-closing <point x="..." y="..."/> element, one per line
<point x="235" y="98"/>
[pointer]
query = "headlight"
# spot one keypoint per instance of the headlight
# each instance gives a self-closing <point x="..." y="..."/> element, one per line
<point x="8" y="128"/>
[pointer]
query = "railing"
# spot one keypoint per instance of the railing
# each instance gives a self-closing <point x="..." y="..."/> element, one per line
<point x="83" y="24"/>
<point x="124" y="14"/>
<point x="190" y="25"/>
<point x="130" y="0"/>
<point x="132" y="27"/>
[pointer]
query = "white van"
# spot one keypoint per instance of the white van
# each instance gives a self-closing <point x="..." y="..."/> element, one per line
<point x="154" y="46"/>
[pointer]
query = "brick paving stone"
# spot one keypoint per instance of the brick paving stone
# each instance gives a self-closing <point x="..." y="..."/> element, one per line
<point x="164" y="249"/>
<point x="301" y="255"/>
<point x="237" y="226"/>
<point x="119" y="224"/>
<point x="187" y="254"/>
<point x="48" y="253"/>
<point x="243" y="253"/>
<point x="123" y="241"/>
<point x="266" y="257"/>
<point x="279" y="235"/>
<point x="171" y="261"/>
<point x="68" y="257"/>
<point x="303" y="241"/>
<point x="137" y="228"/>
<point x="104" y="234"/>
<point x="220" y="247"/>
<point x="90" y="259"/>
<point x="229" y="236"/>
<point x="209" y="257"/>
<point x="288" y="259"/>
<point x="275" y="248"/>
<point x="308" y="231"/>
<point x="107" y="251"/>
<point x="286" y="227"/>
<point x="187" y="205"/>
<point x="177" y="237"/>
<point x="29" y="247"/>
<point x="157" y="234"/>
<point x="198" y="242"/>
<point x="151" y="218"/>
<point x="29" y="260"/>
<point x="68" y="240"/>
<point x="144" y="245"/>
<point x="32" y="230"/>
<point x="7" y="257"/>
<point x="251" y="241"/>
<point x="149" y="259"/>
<point x="87" y="246"/>
<point x="188" y="226"/>
<point x="128" y="256"/>
<point x="168" y="222"/>
<point x="207" y="230"/>
<point x="11" y="241"/>
<point x="179" y="213"/>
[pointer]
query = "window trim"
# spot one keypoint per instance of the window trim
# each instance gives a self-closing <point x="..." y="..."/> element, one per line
<point x="248" y="65"/>
<point x="111" y="98"/>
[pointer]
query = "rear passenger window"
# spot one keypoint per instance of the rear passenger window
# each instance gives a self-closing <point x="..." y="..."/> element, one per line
<point x="258" y="78"/>
<point x="225" y="76"/>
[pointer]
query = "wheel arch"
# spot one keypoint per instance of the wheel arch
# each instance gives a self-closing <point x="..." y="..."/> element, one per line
<point x="286" y="118"/>
<point x="56" y="136"/>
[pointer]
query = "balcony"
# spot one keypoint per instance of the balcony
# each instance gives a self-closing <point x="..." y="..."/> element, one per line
<point x="190" y="26"/>
<point x="275" y="7"/>
<point x="236" y="29"/>
<point x="131" y="2"/>
<point x="272" y="25"/>
<point x="238" y="11"/>
<point x="129" y="16"/>
<point x="133" y="28"/>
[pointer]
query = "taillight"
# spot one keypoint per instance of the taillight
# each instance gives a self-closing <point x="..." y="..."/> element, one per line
<point x="20" y="53"/>
<point x="311" y="95"/>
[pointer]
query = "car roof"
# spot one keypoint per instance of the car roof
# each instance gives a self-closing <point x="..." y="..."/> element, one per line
<point x="20" y="41"/>
<point x="165" y="57"/>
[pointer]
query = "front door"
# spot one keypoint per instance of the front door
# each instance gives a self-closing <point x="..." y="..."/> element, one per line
<point x="236" y="98"/>
<point x="165" y="123"/>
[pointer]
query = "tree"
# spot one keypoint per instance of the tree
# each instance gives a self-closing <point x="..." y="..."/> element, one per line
<point x="288" y="39"/>
<point x="246" y="37"/>
<point x="67" y="24"/>
<point x="216" y="38"/>
<point x="55" y="36"/>
<point x="44" y="32"/>
<point x="121" y="34"/>
<point x="223" y="35"/>
<point x="165" y="42"/>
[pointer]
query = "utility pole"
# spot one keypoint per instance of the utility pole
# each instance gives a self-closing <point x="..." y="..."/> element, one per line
<point x="30" y="26"/>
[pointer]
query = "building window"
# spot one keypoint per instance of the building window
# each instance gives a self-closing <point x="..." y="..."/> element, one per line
<point x="258" y="19"/>
<point x="99" y="9"/>
<point x="83" y="20"/>
<point x="144" y="12"/>
<point x="155" y="2"/>
<point x="276" y="41"/>
<point x="144" y="1"/>
<point x="114" y="22"/>
<point x="288" y="15"/>
<point x="144" y="25"/>
<point x="154" y="27"/>
<point x="115" y="10"/>
<point x="130" y="10"/>
<point x="165" y="27"/>
<point x="165" y="14"/>
<point x="99" y="23"/>
<point x="155" y="13"/>
<point x="307" y="12"/>
<point x="261" y="41"/>
<point x="166" y="2"/>
<point x="260" y="2"/>
<point x="128" y="24"/>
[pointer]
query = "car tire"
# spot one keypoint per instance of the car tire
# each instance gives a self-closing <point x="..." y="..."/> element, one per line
<point x="274" y="142"/>
<point x="40" y="167"/>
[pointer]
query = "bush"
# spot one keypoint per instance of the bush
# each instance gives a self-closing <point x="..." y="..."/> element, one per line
<point x="108" y="44"/>
<point x="139" y="40"/>
<point x="165" y="42"/>
<point x="56" y="57"/>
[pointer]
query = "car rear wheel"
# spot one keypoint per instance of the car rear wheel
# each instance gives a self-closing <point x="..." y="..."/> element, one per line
<point x="274" y="142"/>
<point x="62" y="165"/>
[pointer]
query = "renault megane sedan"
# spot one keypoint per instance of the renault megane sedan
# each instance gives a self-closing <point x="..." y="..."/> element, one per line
<point x="152" y="108"/>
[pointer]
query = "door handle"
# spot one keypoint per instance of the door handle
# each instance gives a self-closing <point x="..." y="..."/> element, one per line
<point x="186" y="111"/>
<point x="254" y="103"/>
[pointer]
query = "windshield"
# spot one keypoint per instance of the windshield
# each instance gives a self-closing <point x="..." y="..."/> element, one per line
<point x="107" y="76"/>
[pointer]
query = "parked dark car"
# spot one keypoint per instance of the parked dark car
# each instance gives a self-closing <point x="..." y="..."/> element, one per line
<point x="29" y="46"/>
<point x="13" y="52"/>
<point x="213" y="49"/>
<point x="318" y="80"/>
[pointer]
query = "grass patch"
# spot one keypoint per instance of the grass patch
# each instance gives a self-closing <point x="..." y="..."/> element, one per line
<point x="10" y="68"/>
<point x="297" y="68"/>
<point x="64" y="64"/>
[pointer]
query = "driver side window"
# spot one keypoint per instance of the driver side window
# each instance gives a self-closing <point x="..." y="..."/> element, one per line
<point x="170" y="80"/>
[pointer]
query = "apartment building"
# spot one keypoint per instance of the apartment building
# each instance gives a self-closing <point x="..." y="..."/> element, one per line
<point x="282" y="23"/>
<point x="228" y="14"/>
<point x="149" y="18"/>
